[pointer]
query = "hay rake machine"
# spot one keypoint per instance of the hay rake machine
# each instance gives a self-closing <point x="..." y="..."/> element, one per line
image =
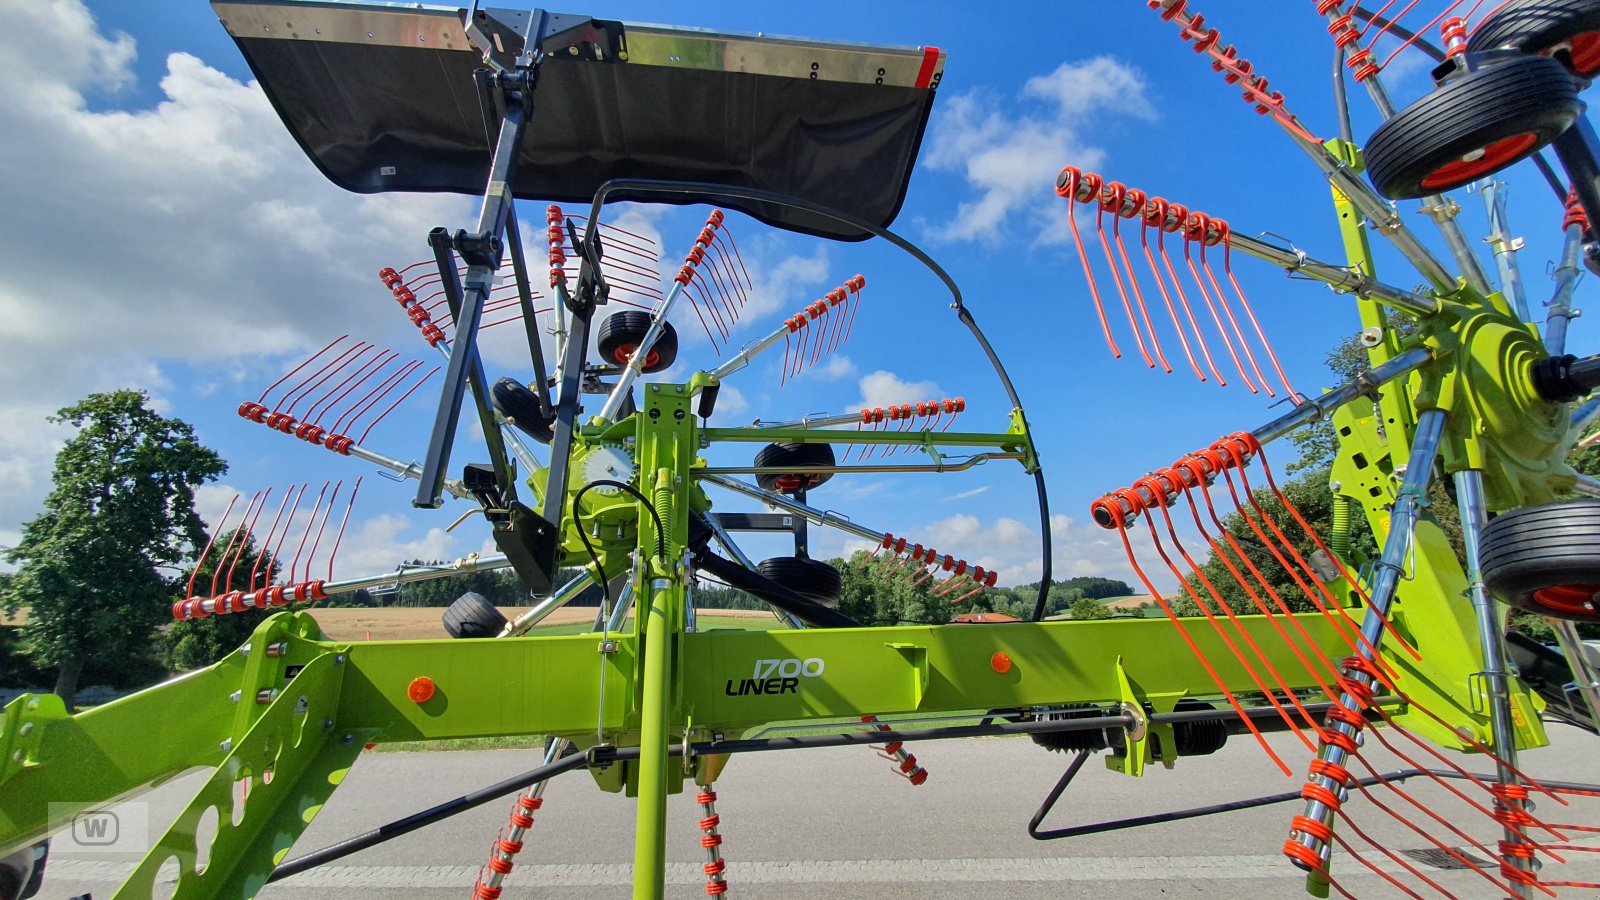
<point x="1403" y="649"/>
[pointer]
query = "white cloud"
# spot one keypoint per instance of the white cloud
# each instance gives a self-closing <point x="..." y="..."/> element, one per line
<point x="1010" y="156"/>
<point x="730" y="405"/>
<point x="376" y="545"/>
<point x="194" y="230"/>
<point x="1012" y="546"/>
<point x="965" y="495"/>
<point x="883" y="388"/>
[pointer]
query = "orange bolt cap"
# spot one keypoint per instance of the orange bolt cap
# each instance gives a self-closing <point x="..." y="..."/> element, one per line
<point x="421" y="689"/>
<point x="1000" y="662"/>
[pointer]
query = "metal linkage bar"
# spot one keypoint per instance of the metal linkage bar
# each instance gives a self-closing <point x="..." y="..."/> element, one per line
<point x="1387" y="574"/>
<point x="1505" y="249"/>
<point x="977" y="459"/>
<point x="1340" y="278"/>
<point x="1496" y="677"/>
<point x="561" y="597"/>
<point x="811" y="513"/>
<point x="1585" y="676"/>
<point x="1319" y="408"/>
<point x="1559" y="312"/>
<point x="1384" y="217"/>
<point x="482" y="253"/>
<point x="1311" y="410"/>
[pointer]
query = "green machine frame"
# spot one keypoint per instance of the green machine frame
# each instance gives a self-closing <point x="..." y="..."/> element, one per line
<point x="655" y="704"/>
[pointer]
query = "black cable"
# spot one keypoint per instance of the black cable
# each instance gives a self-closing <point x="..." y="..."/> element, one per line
<point x="1341" y="98"/>
<point x="577" y="522"/>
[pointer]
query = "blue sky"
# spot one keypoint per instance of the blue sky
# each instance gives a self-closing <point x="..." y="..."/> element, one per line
<point x="163" y="232"/>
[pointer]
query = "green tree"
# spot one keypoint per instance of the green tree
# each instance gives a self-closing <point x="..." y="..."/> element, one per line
<point x="874" y="597"/>
<point x="194" y="643"/>
<point x="122" y="508"/>
<point x="1090" y="608"/>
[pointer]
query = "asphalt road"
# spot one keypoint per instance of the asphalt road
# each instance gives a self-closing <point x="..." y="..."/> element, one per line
<point x="839" y="823"/>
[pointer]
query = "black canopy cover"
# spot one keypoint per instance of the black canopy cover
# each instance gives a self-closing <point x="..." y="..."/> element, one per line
<point x="382" y="98"/>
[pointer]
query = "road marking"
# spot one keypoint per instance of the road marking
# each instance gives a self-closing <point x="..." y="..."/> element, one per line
<point x="851" y="871"/>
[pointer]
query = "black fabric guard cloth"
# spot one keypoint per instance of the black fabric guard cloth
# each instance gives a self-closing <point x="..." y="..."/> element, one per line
<point x="384" y="118"/>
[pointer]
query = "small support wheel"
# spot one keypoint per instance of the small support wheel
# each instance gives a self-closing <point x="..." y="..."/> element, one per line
<point x="520" y="406"/>
<point x="810" y="578"/>
<point x="797" y="457"/>
<point x="1546" y="559"/>
<point x="622" y="333"/>
<point x="1471" y="127"/>
<point x="1568" y="30"/>
<point x="473" y="616"/>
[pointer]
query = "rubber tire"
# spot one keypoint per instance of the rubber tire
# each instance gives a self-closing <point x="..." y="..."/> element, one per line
<point x="1536" y="547"/>
<point x="1535" y="26"/>
<point x="812" y="579"/>
<point x="1521" y="95"/>
<point x="798" y="456"/>
<point x="627" y="329"/>
<point x="520" y="406"/>
<point x="473" y="616"/>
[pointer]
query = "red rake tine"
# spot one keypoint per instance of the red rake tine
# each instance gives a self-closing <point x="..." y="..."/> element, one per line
<point x="1156" y="485"/>
<point x="1227" y="308"/>
<point x="374" y="397"/>
<point x="292" y="372"/>
<point x="1137" y="198"/>
<point x="294" y="565"/>
<point x="352" y="381"/>
<point x="857" y="285"/>
<point x="266" y="543"/>
<point x="233" y="540"/>
<point x="1067" y="185"/>
<point x="381" y="416"/>
<point x="320" y="528"/>
<point x="249" y="537"/>
<point x="305" y="388"/>
<point x="1244" y="302"/>
<point x="294" y="509"/>
<point x="1117" y="518"/>
<point x="339" y="538"/>
<point x="1211" y="305"/>
<point x="1183" y="299"/>
<point x="1158" y="206"/>
<point x="1116" y="278"/>
<point x="188" y="591"/>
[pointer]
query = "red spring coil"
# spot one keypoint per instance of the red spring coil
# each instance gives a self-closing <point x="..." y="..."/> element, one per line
<point x="1575" y="215"/>
<point x="255" y="412"/>
<point x="389" y="277"/>
<point x="1454" y="32"/>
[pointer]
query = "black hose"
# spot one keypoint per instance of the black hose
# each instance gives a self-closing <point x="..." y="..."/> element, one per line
<point x="765" y="589"/>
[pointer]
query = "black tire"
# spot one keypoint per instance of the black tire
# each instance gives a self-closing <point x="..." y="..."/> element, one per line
<point x="520" y="406"/>
<point x="473" y="616"/>
<point x="1569" y="28"/>
<point x="1546" y="559"/>
<point x="621" y="334"/>
<point x="797" y="458"/>
<point x="1504" y="113"/>
<point x="812" y="579"/>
